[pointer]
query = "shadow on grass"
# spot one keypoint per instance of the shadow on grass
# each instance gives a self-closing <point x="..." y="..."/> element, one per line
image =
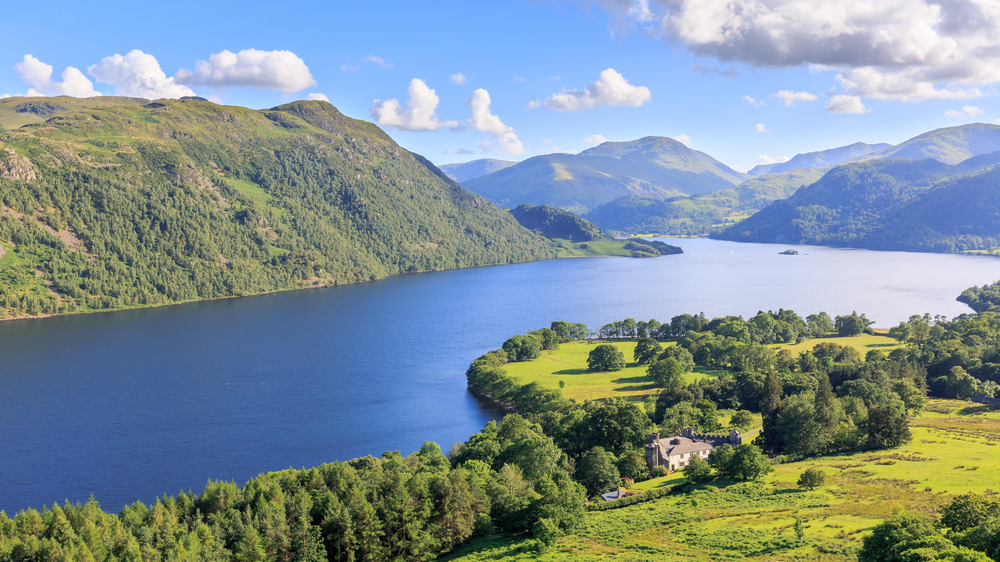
<point x="573" y="372"/>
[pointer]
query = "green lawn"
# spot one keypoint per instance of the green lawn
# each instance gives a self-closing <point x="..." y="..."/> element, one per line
<point x="863" y="343"/>
<point x="953" y="451"/>
<point x="569" y="364"/>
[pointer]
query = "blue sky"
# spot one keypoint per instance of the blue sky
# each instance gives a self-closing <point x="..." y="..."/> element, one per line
<point x="678" y="68"/>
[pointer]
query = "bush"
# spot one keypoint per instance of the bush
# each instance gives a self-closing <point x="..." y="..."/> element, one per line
<point x="812" y="478"/>
<point x="658" y="471"/>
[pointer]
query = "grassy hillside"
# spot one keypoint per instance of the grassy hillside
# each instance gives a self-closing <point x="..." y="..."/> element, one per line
<point x="820" y="159"/>
<point x="952" y="452"/>
<point x="949" y="145"/>
<point x="111" y="203"/>
<point x="654" y="167"/>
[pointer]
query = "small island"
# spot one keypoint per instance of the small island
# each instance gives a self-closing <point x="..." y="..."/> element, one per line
<point x="789" y="252"/>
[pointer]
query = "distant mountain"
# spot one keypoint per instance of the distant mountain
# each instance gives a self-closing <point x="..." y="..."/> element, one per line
<point x="889" y="204"/>
<point x="698" y="214"/>
<point x="821" y="159"/>
<point x="474" y="169"/>
<point x="950" y="145"/>
<point x="655" y="167"/>
<point x="114" y="202"/>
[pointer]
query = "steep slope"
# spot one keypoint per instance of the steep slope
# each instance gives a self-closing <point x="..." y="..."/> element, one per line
<point x="654" y="167"/>
<point x="820" y="159"/>
<point x="950" y="145"/>
<point x="109" y="205"/>
<point x="556" y="223"/>
<point x="893" y="204"/>
<point x="474" y="169"/>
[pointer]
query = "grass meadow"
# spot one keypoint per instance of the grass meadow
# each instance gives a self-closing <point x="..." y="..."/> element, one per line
<point x="569" y="364"/>
<point x="954" y="450"/>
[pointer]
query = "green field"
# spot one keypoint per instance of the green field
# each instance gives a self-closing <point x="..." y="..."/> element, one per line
<point x="569" y="364"/>
<point x="953" y="451"/>
<point x="863" y="343"/>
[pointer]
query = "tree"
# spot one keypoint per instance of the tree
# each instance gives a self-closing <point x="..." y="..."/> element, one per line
<point x="812" y="478"/>
<point x="800" y="530"/>
<point x="886" y="426"/>
<point x="770" y="405"/>
<point x="606" y="357"/>
<point x="683" y="356"/>
<point x="618" y="424"/>
<point x="546" y="533"/>
<point x="646" y="350"/>
<point x="522" y="348"/>
<point x="960" y="384"/>
<point x="741" y="419"/>
<point x="719" y="459"/>
<point x="797" y="426"/>
<point x="819" y="324"/>
<point x="749" y="463"/>
<point x="596" y="471"/>
<point x="667" y="373"/>
<point x="850" y="325"/>
<point x="905" y="537"/>
<point x="967" y="511"/>
<point x="549" y="339"/>
<point x="698" y="471"/>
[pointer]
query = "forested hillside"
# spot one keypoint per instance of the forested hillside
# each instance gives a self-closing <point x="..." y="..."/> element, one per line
<point x="896" y="204"/>
<point x="117" y="203"/>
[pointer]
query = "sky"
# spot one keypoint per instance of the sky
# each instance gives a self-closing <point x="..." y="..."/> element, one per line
<point x="746" y="81"/>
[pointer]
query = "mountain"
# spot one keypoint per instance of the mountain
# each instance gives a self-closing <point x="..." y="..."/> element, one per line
<point x="474" y="169"/>
<point x="890" y="204"/>
<point x="698" y="214"/>
<point x="556" y="223"/>
<point x="950" y="145"/>
<point x="656" y="167"/>
<point x="115" y="202"/>
<point x="820" y="159"/>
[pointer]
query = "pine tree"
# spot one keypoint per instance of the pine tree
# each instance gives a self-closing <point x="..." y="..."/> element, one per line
<point x="770" y="404"/>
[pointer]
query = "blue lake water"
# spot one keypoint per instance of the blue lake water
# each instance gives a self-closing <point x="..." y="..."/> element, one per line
<point x="131" y="405"/>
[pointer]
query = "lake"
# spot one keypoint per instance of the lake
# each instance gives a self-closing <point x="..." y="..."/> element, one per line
<point x="131" y="405"/>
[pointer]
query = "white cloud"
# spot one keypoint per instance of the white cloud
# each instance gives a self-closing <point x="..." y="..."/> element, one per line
<point x="38" y="75"/>
<point x="790" y="97"/>
<point x="683" y="139"/>
<point x="215" y="99"/>
<point x="282" y="71"/>
<point x="459" y="78"/>
<point x="762" y="129"/>
<point x="753" y="102"/>
<point x="611" y="88"/>
<point x="418" y="115"/>
<point x="519" y="79"/>
<point x="594" y="140"/>
<point x="4" y="96"/>
<point x="481" y="119"/>
<point x="379" y="61"/>
<point x="967" y="112"/>
<point x="349" y="68"/>
<point x="846" y="104"/>
<point x="458" y="150"/>
<point x="317" y="96"/>
<point x="138" y="75"/>
<point x="891" y="49"/>
<point x="765" y="159"/>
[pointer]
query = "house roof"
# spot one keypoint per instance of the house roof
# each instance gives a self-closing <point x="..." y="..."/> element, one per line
<point x="684" y="448"/>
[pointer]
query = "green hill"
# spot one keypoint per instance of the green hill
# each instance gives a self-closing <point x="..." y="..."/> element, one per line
<point x="656" y="167"/>
<point x="556" y="223"/>
<point x="895" y="204"/>
<point x="950" y="145"/>
<point x="114" y="202"/>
